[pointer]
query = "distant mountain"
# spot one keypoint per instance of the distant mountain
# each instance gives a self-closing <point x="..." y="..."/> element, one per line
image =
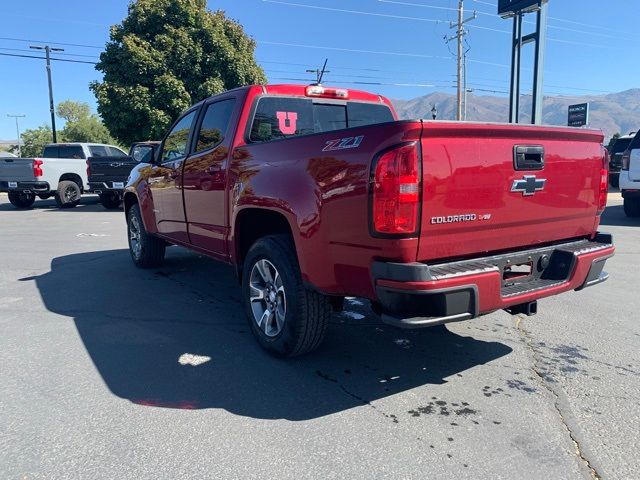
<point x="615" y="112"/>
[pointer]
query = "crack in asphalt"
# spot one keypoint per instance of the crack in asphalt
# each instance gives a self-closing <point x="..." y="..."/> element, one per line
<point x="560" y="404"/>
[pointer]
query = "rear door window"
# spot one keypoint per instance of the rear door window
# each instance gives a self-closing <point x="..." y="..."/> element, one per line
<point x="214" y="124"/>
<point x="635" y="143"/>
<point x="71" y="151"/>
<point x="98" y="151"/>
<point x="282" y="117"/>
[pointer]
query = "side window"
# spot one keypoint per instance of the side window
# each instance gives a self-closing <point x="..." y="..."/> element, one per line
<point x="98" y="151"/>
<point x="51" y="151"/>
<point x="177" y="142"/>
<point x="635" y="143"/>
<point x="116" y="152"/>
<point x="281" y="117"/>
<point x="214" y="124"/>
<point x="71" y="151"/>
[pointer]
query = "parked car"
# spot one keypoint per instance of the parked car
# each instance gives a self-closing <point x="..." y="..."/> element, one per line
<point x="108" y="174"/>
<point x="315" y="193"/>
<point x="615" y="155"/>
<point x="630" y="178"/>
<point x="60" y="172"/>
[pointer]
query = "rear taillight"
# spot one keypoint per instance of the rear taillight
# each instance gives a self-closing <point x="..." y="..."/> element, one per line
<point x="604" y="183"/>
<point x="37" y="168"/>
<point x="626" y="156"/>
<point x="88" y="169"/>
<point x="396" y="191"/>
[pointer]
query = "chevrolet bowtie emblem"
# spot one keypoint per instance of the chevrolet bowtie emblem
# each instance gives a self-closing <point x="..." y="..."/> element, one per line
<point x="529" y="185"/>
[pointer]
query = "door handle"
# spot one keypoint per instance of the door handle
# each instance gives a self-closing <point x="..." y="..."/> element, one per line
<point x="528" y="157"/>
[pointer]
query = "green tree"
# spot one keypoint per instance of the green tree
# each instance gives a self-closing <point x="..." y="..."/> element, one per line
<point x="34" y="140"/>
<point x="81" y="125"/>
<point x="165" y="56"/>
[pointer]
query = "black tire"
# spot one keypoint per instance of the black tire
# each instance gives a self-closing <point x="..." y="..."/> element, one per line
<point x="22" y="199"/>
<point x="632" y="207"/>
<point x="306" y="313"/>
<point x="614" y="180"/>
<point x="110" y="201"/>
<point x="68" y="194"/>
<point x="151" y="249"/>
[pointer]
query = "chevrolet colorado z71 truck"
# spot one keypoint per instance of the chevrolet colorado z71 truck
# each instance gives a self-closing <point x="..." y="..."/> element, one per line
<point x="108" y="175"/>
<point x="60" y="172"/>
<point x="315" y="193"/>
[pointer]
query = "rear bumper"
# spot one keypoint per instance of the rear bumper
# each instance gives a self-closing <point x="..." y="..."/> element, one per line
<point x="627" y="184"/>
<point x="418" y="295"/>
<point x="106" y="187"/>
<point x="31" y="186"/>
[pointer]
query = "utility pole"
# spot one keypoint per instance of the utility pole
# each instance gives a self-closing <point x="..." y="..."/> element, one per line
<point x="460" y="33"/>
<point x="320" y="73"/>
<point x="17" y="130"/>
<point x="48" y="51"/>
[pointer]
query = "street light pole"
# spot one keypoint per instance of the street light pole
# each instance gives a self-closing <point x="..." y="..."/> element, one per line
<point x="47" y="49"/>
<point x="17" y="130"/>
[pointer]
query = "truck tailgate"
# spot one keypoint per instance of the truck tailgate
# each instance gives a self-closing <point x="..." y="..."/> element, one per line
<point x="16" y="169"/>
<point x="110" y="169"/>
<point x="477" y="198"/>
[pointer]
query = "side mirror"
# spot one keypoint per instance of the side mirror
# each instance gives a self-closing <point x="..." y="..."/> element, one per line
<point x="144" y="154"/>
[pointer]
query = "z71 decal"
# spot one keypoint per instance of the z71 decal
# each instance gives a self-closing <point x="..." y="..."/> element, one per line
<point x="343" y="143"/>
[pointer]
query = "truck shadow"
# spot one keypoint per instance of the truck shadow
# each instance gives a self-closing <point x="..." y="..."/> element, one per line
<point x="614" y="215"/>
<point x="177" y="337"/>
<point x="88" y="203"/>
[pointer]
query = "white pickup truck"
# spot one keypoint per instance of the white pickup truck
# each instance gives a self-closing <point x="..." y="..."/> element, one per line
<point x="60" y="172"/>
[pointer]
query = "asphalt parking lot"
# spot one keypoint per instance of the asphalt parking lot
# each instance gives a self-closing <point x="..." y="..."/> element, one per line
<point x="110" y="372"/>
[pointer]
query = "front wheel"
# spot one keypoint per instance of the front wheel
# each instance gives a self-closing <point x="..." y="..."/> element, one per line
<point x="22" y="199"/>
<point x="286" y="318"/>
<point x="110" y="201"/>
<point x="68" y="194"/>
<point x="146" y="250"/>
<point x="632" y="207"/>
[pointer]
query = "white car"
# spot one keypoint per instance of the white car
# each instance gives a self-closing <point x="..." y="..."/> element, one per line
<point x="630" y="178"/>
<point x="61" y="172"/>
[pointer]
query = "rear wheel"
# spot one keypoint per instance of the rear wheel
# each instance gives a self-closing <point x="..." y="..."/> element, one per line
<point x="110" y="201"/>
<point x="68" y="194"/>
<point x="22" y="199"/>
<point x="146" y="250"/>
<point x="286" y="318"/>
<point x="632" y="207"/>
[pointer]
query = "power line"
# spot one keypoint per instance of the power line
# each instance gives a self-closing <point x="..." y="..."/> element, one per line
<point x="51" y="43"/>
<point x="59" y="53"/>
<point x="44" y="58"/>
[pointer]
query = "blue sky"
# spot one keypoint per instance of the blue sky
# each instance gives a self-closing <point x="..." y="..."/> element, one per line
<point x="396" y="44"/>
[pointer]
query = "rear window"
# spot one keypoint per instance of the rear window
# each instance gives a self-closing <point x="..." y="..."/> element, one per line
<point x="63" y="151"/>
<point x="620" y="146"/>
<point x="282" y="117"/>
<point x="635" y="143"/>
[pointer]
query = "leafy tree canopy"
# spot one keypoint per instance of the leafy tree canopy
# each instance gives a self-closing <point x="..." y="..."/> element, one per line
<point x="81" y="125"/>
<point x="613" y="140"/>
<point x="165" y="56"/>
<point x="34" y="140"/>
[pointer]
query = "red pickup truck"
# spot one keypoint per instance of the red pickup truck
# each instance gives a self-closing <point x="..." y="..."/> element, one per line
<point x="317" y="193"/>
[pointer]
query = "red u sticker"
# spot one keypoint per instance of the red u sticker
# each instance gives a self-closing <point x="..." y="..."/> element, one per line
<point x="287" y="122"/>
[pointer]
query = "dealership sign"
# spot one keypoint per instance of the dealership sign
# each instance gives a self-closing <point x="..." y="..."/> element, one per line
<point x="511" y="7"/>
<point x="578" y="115"/>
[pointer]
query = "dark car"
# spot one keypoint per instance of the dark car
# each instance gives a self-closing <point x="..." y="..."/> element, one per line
<point x="615" y="156"/>
<point x="108" y="174"/>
